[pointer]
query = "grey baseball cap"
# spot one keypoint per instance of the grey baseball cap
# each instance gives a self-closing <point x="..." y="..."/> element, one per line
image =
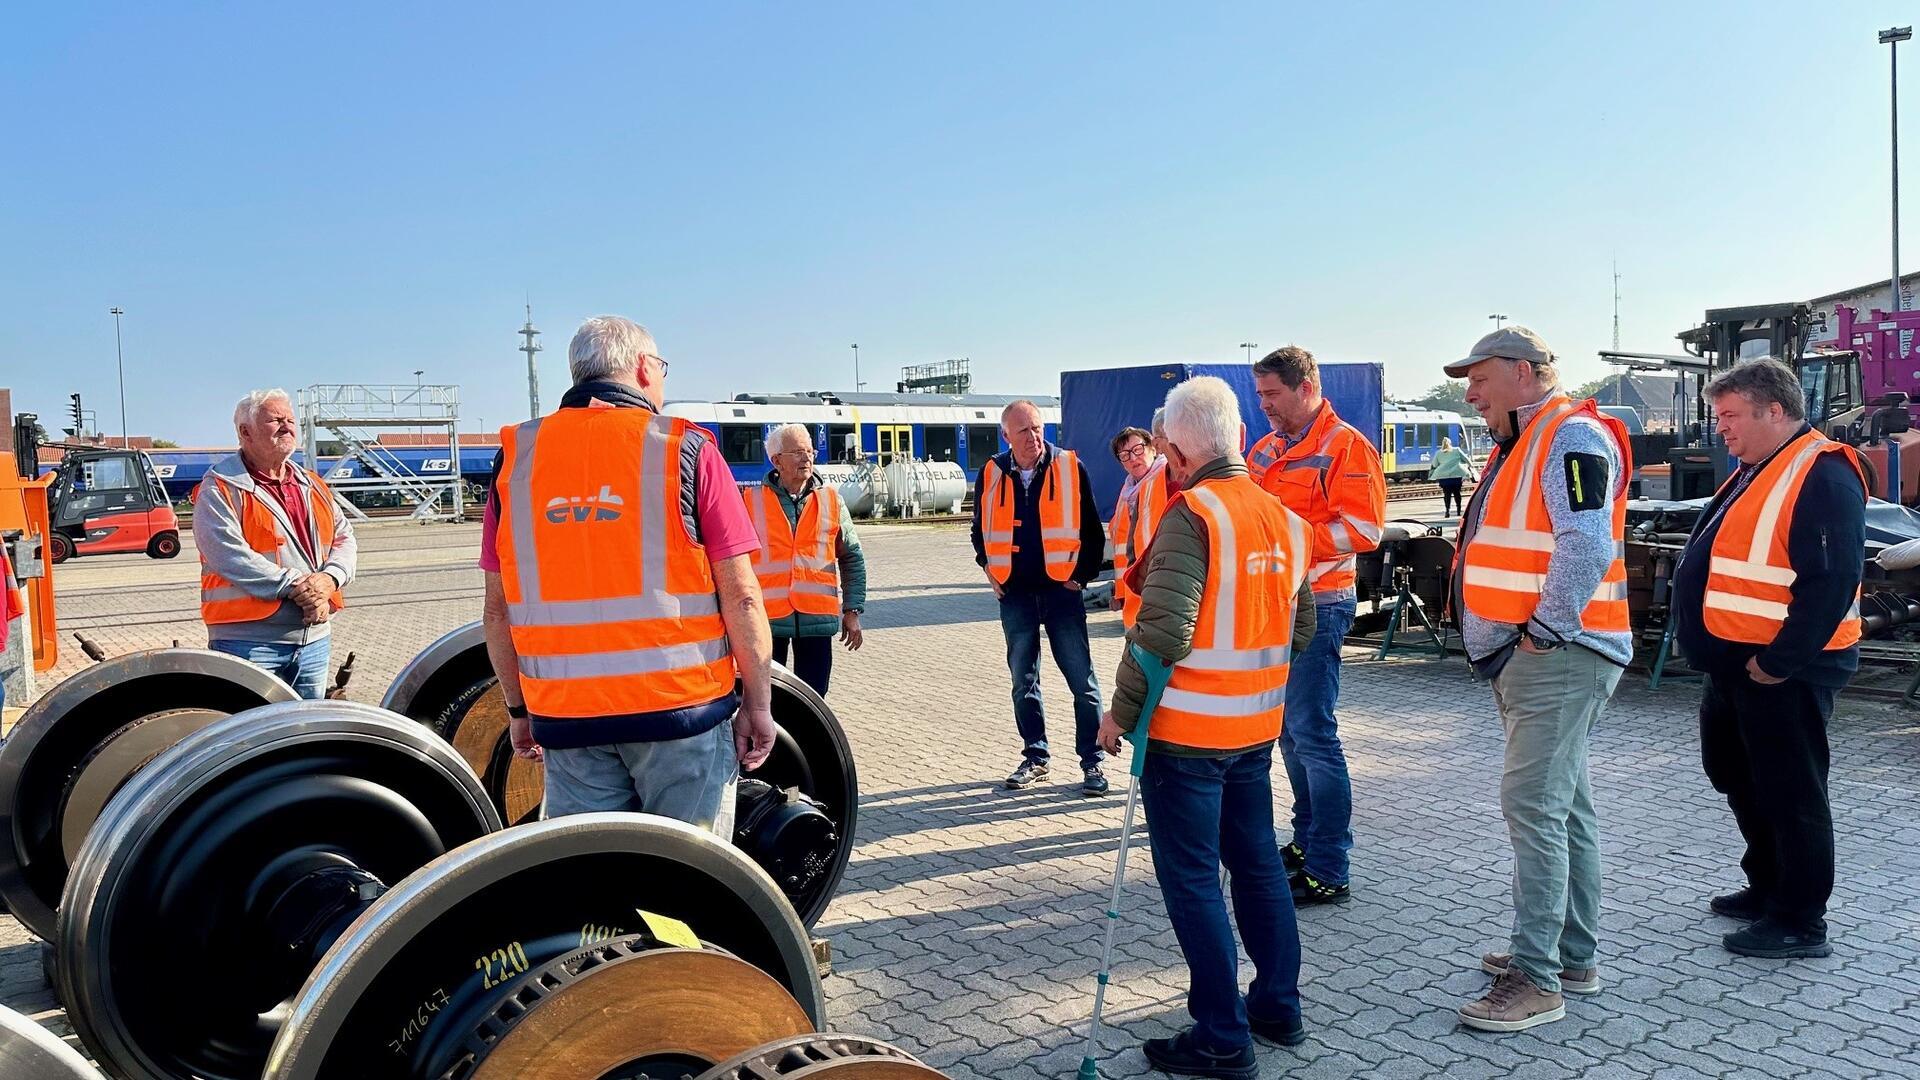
<point x="1507" y="343"/>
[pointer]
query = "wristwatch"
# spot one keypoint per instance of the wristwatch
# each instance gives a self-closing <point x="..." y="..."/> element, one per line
<point x="517" y="712"/>
<point x="1543" y="644"/>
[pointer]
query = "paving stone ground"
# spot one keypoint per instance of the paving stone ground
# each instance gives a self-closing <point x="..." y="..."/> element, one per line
<point x="968" y="926"/>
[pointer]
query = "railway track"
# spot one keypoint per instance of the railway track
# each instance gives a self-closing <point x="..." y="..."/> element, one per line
<point x="1400" y="492"/>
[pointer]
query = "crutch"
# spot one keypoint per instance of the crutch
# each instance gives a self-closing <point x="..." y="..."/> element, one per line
<point x="1157" y="672"/>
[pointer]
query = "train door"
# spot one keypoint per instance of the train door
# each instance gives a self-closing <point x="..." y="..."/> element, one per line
<point x="895" y="440"/>
<point x="1389" y="445"/>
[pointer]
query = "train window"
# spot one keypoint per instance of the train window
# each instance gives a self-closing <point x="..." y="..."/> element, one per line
<point x="942" y="442"/>
<point x="741" y="444"/>
<point x="983" y="441"/>
<point x="842" y="442"/>
<point x="1423" y="434"/>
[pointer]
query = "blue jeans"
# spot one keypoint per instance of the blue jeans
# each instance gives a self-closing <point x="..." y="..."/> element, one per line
<point x="690" y="779"/>
<point x="303" y="667"/>
<point x="1310" y="746"/>
<point x="1202" y="812"/>
<point x="1063" y="614"/>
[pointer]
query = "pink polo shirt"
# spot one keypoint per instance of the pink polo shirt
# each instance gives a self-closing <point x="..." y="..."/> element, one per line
<point x="719" y="512"/>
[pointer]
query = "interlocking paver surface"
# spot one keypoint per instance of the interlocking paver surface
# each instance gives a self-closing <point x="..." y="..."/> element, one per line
<point x="968" y="926"/>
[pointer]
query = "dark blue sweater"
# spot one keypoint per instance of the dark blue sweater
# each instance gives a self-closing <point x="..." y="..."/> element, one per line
<point x="1826" y="545"/>
<point x="1029" y="556"/>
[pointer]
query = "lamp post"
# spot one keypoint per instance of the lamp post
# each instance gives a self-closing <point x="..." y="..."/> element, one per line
<point x="1497" y="320"/>
<point x="857" y="384"/>
<point x="1249" y="346"/>
<point x="417" y="372"/>
<point x="1891" y="38"/>
<point x="120" y="362"/>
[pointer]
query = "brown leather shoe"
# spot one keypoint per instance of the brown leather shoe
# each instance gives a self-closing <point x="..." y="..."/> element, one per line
<point x="1572" y="980"/>
<point x="1514" y="1004"/>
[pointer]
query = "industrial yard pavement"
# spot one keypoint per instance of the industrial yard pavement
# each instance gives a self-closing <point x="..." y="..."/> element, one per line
<point x="968" y="927"/>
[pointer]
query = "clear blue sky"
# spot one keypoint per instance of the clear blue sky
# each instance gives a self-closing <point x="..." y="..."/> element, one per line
<point x="284" y="195"/>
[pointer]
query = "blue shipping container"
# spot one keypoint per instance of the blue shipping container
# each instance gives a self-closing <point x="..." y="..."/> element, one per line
<point x="1094" y="405"/>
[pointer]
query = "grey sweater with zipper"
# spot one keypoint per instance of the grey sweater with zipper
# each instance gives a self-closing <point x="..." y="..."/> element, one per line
<point x="224" y="551"/>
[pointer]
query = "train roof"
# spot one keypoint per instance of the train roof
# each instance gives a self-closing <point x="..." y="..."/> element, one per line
<point x="835" y="397"/>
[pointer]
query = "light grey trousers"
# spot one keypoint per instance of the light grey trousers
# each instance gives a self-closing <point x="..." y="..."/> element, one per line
<point x="690" y="779"/>
<point x="1549" y="704"/>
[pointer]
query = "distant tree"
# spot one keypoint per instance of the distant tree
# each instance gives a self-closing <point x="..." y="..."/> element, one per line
<point x="1449" y="396"/>
<point x="165" y="444"/>
<point x="1588" y="389"/>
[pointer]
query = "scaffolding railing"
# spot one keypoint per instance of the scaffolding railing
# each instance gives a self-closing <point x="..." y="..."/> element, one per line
<point x="356" y="412"/>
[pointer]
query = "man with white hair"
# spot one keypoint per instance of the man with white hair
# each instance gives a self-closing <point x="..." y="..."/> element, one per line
<point x="813" y="575"/>
<point x="1225" y="603"/>
<point x="275" y="551"/>
<point x="1038" y="536"/>
<point x="621" y="603"/>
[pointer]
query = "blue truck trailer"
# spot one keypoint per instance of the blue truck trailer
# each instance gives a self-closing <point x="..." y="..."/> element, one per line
<point x="1096" y="404"/>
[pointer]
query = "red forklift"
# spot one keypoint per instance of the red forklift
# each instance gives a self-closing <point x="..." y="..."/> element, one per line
<point x="106" y="501"/>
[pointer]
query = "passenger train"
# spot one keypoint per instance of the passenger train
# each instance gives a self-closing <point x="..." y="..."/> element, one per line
<point x="846" y="428"/>
<point x="1410" y="436"/>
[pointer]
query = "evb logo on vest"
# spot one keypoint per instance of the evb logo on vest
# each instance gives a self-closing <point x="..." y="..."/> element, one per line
<point x="562" y="509"/>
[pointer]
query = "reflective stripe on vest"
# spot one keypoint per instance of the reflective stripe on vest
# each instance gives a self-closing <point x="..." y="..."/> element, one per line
<point x="1504" y="567"/>
<point x="1059" y="508"/>
<point x="610" y="600"/>
<point x="1750" y="576"/>
<point x="1120" y="531"/>
<point x="798" y="568"/>
<point x="264" y="526"/>
<point x="1230" y="691"/>
<point x="1270" y="462"/>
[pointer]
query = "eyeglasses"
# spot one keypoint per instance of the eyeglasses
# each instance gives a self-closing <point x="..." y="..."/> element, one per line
<point x="808" y="453"/>
<point x="1132" y="452"/>
<point x="663" y="362"/>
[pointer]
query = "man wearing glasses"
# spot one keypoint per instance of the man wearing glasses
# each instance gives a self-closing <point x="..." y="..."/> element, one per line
<point x="813" y="575"/>
<point x="621" y="602"/>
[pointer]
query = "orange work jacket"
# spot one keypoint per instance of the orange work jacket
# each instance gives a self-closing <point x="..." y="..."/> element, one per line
<point x="1059" y="506"/>
<point x="1135" y="520"/>
<point x="1332" y="478"/>
<point x="1504" y="565"/>
<point x="798" y="566"/>
<point x="264" y="527"/>
<point x="610" y="600"/>
<point x="1750" y="579"/>
<point x="1230" y="692"/>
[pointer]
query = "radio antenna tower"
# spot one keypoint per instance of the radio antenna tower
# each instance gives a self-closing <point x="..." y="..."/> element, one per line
<point x="1616" y="305"/>
<point x="533" y="373"/>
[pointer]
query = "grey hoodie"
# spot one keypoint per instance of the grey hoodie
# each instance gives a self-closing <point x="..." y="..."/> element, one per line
<point x="224" y="551"/>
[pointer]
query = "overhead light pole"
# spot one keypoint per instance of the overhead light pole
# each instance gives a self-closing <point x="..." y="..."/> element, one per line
<point x="1249" y="346"/>
<point x="1497" y="320"/>
<point x="857" y="384"/>
<point x="1891" y="38"/>
<point x="120" y="362"/>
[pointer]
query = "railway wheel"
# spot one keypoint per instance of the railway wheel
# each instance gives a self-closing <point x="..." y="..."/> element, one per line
<point x="79" y="744"/>
<point x="795" y="815"/>
<point x="214" y="881"/>
<point x="622" y="945"/>
<point x="31" y="1052"/>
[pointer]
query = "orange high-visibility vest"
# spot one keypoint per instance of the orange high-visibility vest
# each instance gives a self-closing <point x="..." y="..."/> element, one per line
<point x="1230" y="692"/>
<point x="798" y="567"/>
<point x="264" y="526"/>
<point x="1332" y="478"/>
<point x="1135" y="520"/>
<point x="1750" y="580"/>
<point x="610" y="600"/>
<point x="1504" y="565"/>
<point x="1059" y="516"/>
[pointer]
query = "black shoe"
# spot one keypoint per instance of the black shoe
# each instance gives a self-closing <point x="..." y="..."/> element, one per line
<point x="1294" y="857"/>
<point x="1093" y="781"/>
<point x="1028" y="774"/>
<point x="1180" y="1057"/>
<point x="1747" y="905"/>
<point x="1773" y="941"/>
<point x="1284" y="1032"/>
<point x="1308" y="889"/>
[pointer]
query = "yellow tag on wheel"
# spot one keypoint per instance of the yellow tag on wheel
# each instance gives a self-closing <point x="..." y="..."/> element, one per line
<point x="670" y="931"/>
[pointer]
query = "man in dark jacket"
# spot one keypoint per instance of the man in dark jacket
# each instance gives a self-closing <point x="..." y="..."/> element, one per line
<point x="1038" y="536"/>
<point x="1765" y="601"/>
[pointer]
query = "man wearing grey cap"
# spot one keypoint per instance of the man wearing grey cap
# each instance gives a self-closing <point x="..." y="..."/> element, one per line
<point x="1540" y="589"/>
